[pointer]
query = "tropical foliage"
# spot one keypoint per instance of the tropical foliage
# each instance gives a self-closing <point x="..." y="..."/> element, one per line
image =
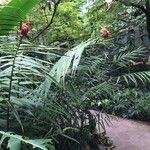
<point x="53" y="80"/>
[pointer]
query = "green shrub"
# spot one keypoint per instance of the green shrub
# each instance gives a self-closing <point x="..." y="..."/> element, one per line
<point x="129" y="103"/>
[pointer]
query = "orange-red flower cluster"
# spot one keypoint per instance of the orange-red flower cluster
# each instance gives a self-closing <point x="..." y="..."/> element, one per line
<point x="25" y="29"/>
<point x="105" y="32"/>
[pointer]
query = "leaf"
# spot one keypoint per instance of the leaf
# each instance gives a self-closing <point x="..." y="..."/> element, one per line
<point x="66" y="64"/>
<point x="70" y="138"/>
<point x="42" y="144"/>
<point x="14" y="142"/>
<point x="14" y="12"/>
<point x="4" y="2"/>
<point x="137" y="78"/>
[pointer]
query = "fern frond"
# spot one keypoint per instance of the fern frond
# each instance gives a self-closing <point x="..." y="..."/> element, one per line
<point x="137" y="78"/>
<point x="104" y="90"/>
<point x="124" y="56"/>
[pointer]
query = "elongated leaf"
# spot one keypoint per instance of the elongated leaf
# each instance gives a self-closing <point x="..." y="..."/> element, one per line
<point x="14" y="12"/>
<point x="14" y="142"/>
<point x="70" y="60"/>
<point x="136" y="78"/>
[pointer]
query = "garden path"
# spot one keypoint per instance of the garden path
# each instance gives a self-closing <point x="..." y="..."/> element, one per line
<point x="129" y="135"/>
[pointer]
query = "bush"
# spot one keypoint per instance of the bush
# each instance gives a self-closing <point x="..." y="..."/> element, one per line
<point x="129" y="103"/>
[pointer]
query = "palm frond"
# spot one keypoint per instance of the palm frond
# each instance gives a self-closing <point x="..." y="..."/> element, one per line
<point x="124" y="56"/>
<point x="25" y="71"/>
<point x="13" y="12"/>
<point x="104" y="91"/>
<point x="137" y="78"/>
<point x="66" y="64"/>
<point x="92" y="63"/>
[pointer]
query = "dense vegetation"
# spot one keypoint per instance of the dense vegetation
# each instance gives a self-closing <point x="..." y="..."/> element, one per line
<point x="53" y="77"/>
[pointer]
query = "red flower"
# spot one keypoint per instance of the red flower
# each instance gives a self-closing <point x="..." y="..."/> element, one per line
<point x="25" y="29"/>
<point x="105" y="32"/>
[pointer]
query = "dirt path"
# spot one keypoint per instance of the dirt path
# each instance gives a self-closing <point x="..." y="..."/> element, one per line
<point x="129" y="135"/>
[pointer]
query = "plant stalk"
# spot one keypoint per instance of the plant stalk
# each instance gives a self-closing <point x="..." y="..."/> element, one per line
<point x="10" y="84"/>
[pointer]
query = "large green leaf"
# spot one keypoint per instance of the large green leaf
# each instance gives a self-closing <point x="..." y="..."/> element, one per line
<point x="66" y="64"/>
<point x="14" y="142"/>
<point x="14" y="12"/>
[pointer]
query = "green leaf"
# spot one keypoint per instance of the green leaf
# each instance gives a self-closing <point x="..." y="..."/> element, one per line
<point x="66" y="64"/>
<point x="42" y="144"/>
<point x="14" y="12"/>
<point x="14" y="142"/>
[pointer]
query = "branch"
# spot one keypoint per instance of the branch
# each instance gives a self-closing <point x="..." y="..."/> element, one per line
<point x="51" y="21"/>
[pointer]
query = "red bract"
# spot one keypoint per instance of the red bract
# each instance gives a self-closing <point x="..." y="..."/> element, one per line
<point x="24" y="29"/>
<point x="105" y="32"/>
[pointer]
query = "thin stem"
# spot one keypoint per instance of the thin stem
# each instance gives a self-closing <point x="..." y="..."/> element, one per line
<point x="10" y="84"/>
<point x="51" y="21"/>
